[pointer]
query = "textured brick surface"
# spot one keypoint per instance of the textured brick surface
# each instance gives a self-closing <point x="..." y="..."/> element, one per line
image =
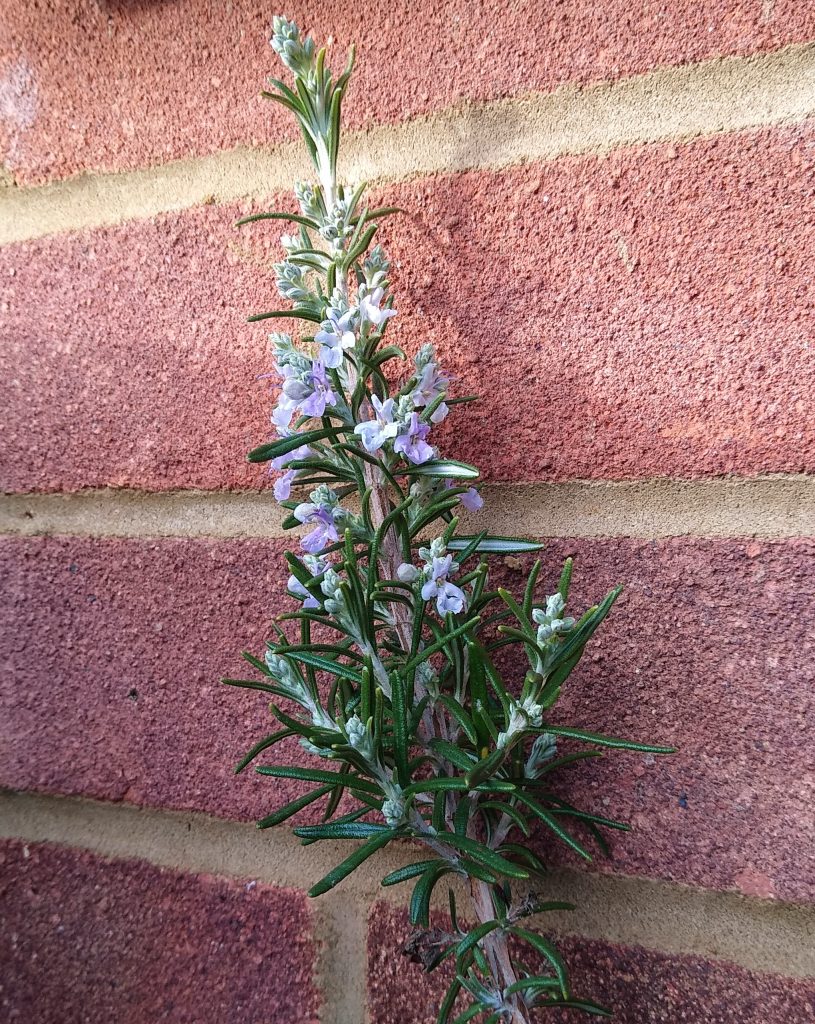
<point x="644" y="314"/>
<point x="640" y="986"/>
<point x="112" y="652"/>
<point x="123" y="85"/>
<point x="113" y="655"/>
<point x="88" y="941"/>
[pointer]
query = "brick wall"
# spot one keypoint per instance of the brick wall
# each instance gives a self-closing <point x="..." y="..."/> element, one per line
<point x="610" y="236"/>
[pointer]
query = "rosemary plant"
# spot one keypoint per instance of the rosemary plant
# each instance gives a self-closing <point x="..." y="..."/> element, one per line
<point x="391" y="684"/>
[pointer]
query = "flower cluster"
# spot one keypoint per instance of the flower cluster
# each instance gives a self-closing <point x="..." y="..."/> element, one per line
<point x="325" y="514"/>
<point x="421" y="731"/>
<point x="439" y="566"/>
<point x="395" y="428"/>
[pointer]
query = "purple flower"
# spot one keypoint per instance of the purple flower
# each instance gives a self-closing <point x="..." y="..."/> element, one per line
<point x="322" y="393"/>
<point x="370" y="311"/>
<point x="323" y="517"/>
<point x="449" y="597"/>
<point x="305" y="595"/>
<point x="335" y="336"/>
<point x="317" y="566"/>
<point x="283" y="412"/>
<point x="411" y="441"/>
<point x="282" y="487"/>
<point x="471" y="500"/>
<point x="429" y="385"/>
<point x="376" y="432"/>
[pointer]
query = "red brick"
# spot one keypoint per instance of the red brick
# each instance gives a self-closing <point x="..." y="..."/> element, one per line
<point x="128" y="362"/>
<point x="88" y="940"/>
<point x="640" y="986"/>
<point x="642" y="315"/>
<point x="710" y="648"/>
<point x="123" y="85"/>
<point x="113" y="655"/>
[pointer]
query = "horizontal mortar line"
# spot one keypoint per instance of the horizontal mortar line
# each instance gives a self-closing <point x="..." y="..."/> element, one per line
<point x="764" y="936"/>
<point x="669" y="104"/>
<point x="763" y="507"/>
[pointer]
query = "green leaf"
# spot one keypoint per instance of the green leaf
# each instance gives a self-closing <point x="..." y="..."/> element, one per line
<point x="473" y="938"/>
<point x="532" y="985"/>
<point x="511" y="812"/>
<point x="478" y="690"/>
<point x="549" y="819"/>
<point x="336" y="830"/>
<point x="526" y="629"/>
<point x="496" y="545"/>
<point x="305" y="221"/>
<point x="458" y="783"/>
<point x="580" y="635"/>
<point x="405" y="873"/>
<point x="483" y="854"/>
<point x="460" y="716"/>
<point x="547" y="950"/>
<point x="400" y="728"/>
<point x="606" y="741"/>
<point x="261" y="666"/>
<point x="448" y="1002"/>
<point x="576" y="1004"/>
<point x="565" y="579"/>
<point x="444" y="468"/>
<point x="296" y="313"/>
<point x="274" y="449"/>
<point x="287" y="810"/>
<point x="258" y="748"/>
<point x="251" y="684"/>
<point x="351" y="863"/>
<point x="323" y="664"/>
<point x="441" y="643"/>
<point x="423" y="890"/>
<point x="280" y="771"/>
<point x="452" y="753"/>
<point x="432" y="785"/>
<point x="379" y="213"/>
<point x="486" y="767"/>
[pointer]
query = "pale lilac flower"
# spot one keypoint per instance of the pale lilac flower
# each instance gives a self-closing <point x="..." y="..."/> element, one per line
<point x="322" y="512"/>
<point x="411" y="441"/>
<point x="336" y="335"/>
<point x="325" y="531"/>
<point x="449" y="597"/>
<point x="322" y="393"/>
<point x="440" y="412"/>
<point x="376" y="432"/>
<point x="429" y="385"/>
<point x="283" y="412"/>
<point x="317" y="566"/>
<point x="471" y="500"/>
<point x="305" y="595"/>
<point x="282" y="487"/>
<point x="369" y="308"/>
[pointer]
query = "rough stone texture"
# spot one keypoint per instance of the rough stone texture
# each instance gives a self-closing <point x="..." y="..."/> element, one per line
<point x="91" y="941"/>
<point x="123" y="85"/>
<point x="710" y="648"/>
<point x="638" y="315"/>
<point x="640" y="986"/>
<point x="113" y="654"/>
<point x="113" y="650"/>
